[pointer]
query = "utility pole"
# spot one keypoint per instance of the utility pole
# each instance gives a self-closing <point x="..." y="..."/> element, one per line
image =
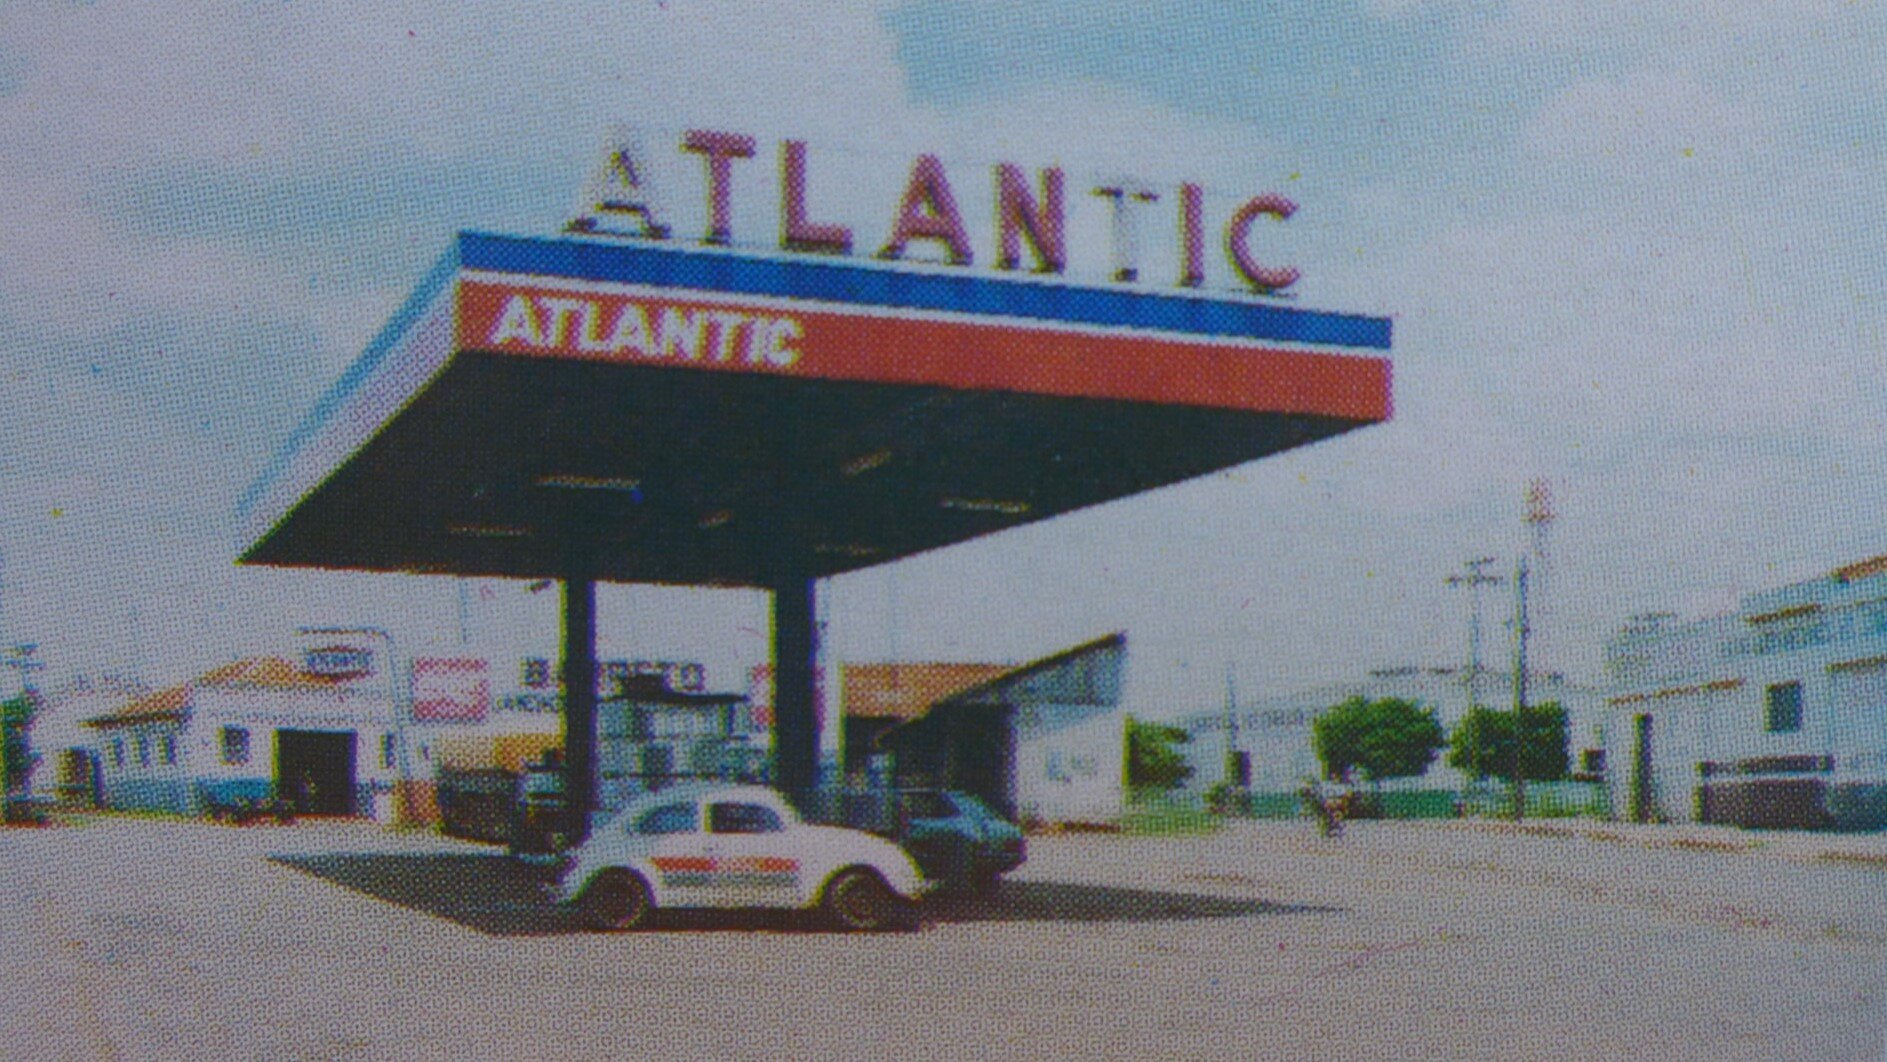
<point x="1520" y="688"/>
<point x="1237" y="767"/>
<point x="465" y="613"/>
<point x="1474" y="577"/>
<point x="20" y="658"/>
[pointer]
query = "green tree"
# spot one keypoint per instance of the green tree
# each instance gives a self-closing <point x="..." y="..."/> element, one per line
<point x="1376" y="740"/>
<point x="1153" y="757"/>
<point x="16" y="754"/>
<point x="1483" y="743"/>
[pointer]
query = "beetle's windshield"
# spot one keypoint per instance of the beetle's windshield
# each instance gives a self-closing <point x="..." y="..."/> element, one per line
<point x="669" y="818"/>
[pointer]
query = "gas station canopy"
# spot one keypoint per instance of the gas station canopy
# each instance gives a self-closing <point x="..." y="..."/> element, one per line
<point x="702" y="417"/>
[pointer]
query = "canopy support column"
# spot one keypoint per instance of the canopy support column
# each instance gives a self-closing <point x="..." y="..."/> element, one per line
<point x="579" y="698"/>
<point x="795" y="712"/>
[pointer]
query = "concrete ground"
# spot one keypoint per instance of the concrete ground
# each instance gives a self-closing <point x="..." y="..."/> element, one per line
<point x="142" y="938"/>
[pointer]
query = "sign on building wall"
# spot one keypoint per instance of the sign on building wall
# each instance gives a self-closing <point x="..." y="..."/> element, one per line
<point x="338" y="661"/>
<point x="680" y="676"/>
<point x="450" y="690"/>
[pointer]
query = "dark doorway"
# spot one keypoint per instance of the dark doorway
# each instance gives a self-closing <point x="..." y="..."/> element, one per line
<point x="1642" y="789"/>
<point x="983" y="755"/>
<point x="314" y="771"/>
<point x="79" y="778"/>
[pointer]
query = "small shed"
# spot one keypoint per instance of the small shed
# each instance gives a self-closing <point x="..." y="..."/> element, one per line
<point x="1042" y="742"/>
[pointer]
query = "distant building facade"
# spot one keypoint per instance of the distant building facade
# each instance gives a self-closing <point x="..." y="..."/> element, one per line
<point x="340" y="726"/>
<point x="1273" y="734"/>
<point x="69" y="770"/>
<point x="1774" y="715"/>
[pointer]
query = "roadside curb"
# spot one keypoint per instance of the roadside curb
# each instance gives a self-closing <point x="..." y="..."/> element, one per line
<point x="1867" y="850"/>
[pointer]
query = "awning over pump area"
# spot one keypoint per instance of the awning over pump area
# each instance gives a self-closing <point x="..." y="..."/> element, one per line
<point x="630" y="412"/>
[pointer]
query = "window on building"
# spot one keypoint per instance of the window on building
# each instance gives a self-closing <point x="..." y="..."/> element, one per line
<point x="658" y="765"/>
<point x="143" y="743"/>
<point x="1783" y="709"/>
<point x="117" y="753"/>
<point x="235" y="744"/>
<point x="536" y="673"/>
<point x="388" y="750"/>
<point x="167" y="749"/>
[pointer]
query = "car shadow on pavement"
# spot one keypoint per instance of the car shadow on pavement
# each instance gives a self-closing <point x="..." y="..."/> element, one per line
<point x="490" y="893"/>
<point x="499" y="897"/>
<point x="1060" y="901"/>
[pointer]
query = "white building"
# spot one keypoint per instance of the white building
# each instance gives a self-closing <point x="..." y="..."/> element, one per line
<point x="323" y="732"/>
<point x="66" y="747"/>
<point x="1772" y="715"/>
<point x="1274" y="733"/>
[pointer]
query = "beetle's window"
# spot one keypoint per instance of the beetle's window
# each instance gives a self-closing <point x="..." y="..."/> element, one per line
<point x="669" y="818"/>
<point x="743" y="818"/>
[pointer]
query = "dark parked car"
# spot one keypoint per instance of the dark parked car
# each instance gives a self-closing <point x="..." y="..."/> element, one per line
<point x="539" y="823"/>
<point x="956" y="839"/>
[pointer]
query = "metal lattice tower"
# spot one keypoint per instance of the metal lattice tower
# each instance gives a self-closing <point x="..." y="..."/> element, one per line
<point x="1540" y="515"/>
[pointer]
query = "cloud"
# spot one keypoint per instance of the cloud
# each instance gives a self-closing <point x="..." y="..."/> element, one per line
<point x="131" y="83"/>
<point x="71" y="275"/>
<point x="1648" y="124"/>
<point x="1654" y="28"/>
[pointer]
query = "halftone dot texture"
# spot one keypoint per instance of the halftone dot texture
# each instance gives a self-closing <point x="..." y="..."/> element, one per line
<point x="1631" y="248"/>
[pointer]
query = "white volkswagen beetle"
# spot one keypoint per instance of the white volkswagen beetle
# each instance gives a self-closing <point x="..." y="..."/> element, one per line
<point x="734" y="846"/>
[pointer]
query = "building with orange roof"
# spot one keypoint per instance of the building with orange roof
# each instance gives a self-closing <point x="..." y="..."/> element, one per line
<point x="339" y="726"/>
<point x="321" y="730"/>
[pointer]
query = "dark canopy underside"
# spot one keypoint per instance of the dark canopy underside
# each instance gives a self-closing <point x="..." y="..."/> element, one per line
<point x="507" y="466"/>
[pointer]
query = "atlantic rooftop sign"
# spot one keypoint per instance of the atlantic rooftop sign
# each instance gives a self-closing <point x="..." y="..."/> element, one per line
<point x="713" y="187"/>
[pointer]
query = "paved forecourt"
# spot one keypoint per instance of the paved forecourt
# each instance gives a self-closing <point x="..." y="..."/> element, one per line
<point x="139" y="938"/>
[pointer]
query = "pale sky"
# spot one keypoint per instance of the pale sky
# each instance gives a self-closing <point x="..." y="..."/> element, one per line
<point x="1633" y="248"/>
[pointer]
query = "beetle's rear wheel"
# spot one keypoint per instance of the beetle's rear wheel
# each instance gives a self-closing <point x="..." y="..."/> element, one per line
<point x="615" y="901"/>
<point x="859" y="900"/>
